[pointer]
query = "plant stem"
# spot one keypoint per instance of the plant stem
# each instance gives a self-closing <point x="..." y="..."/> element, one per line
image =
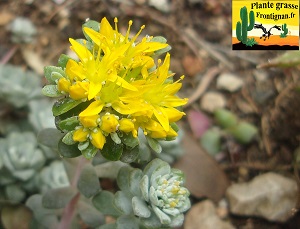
<point x="69" y="210"/>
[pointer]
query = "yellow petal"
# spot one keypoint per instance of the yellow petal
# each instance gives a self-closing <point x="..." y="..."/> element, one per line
<point x="109" y="123"/>
<point x="173" y="114"/>
<point x="93" y="109"/>
<point x="106" y="29"/>
<point x="89" y="121"/>
<point x="98" y="139"/>
<point x="81" y="51"/>
<point x="162" y="117"/>
<point x="80" y="135"/>
<point x="63" y="84"/>
<point x="79" y="90"/>
<point x="126" y="125"/>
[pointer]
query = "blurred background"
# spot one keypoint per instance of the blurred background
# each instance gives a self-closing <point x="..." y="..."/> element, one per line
<point x="240" y="137"/>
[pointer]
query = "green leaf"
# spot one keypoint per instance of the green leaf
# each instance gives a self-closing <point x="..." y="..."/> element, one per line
<point x="103" y="201"/>
<point x="88" y="183"/>
<point x="58" y="198"/>
<point x="129" y="140"/>
<point x="162" y="51"/>
<point x="123" y="178"/>
<point x="244" y="132"/>
<point x="68" y="151"/>
<point x="159" y="39"/>
<point x="48" y="70"/>
<point x="225" y="118"/>
<point x="135" y="177"/>
<point x="112" y="151"/>
<point x="63" y="105"/>
<point x="122" y="201"/>
<point x="211" y="141"/>
<point x="68" y="138"/>
<point x="108" y="226"/>
<point x="94" y="25"/>
<point x="128" y="222"/>
<point x="154" y="144"/>
<point x="163" y="169"/>
<point x="50" y="137"/>
<point x="90" y="215"/>
<point x="288" y="59"/>
<point x="89" y="152"/>
<point x="140" y="208"/>
<point x="153" y="165"/>
<point x="151" y="222"/>
<point x="63" y="60"/>
<point x="46" y="217"/>
<point x="51" y="91"/>
<point x="69" y="124"/>
<point x="130" y="155"/>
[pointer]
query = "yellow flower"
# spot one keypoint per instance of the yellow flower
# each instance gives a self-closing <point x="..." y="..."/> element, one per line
<point x="156" y="98"/>
<point x="120" y="85"/>
<point x="109" y="123"/>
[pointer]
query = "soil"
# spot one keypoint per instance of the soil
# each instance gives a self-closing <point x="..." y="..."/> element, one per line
<point x="200" y="35"/>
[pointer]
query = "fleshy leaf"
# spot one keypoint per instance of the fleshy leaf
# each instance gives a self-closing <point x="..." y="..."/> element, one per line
<point x="112" y="151"/>
<point x="130" y="155"/>
<point x="153" y="165"/>
<point x="94" y="25"/>
<point x="90" y="215"/>
<point x="123" y="178"/>
<point x="64" y="105"/>
<point x="164" y="218"/>
<point x="88" y="183"/>
<point x="68" y="151"/>
<point x="129" y="140"/>
<point x="163" y="169"/>
<point x="128" y="222"/>
<point x="154" y="144"/>
<point x="63" y="60"/>
<point x="89" y="152"/>
<point x="140" y="207"/>
<point x="50" y="137"/>
<point x="135" y="177"/>
<point x="58" y="198"/>
<point x="68" y="124"/>
<point x="48" y="70"/>
<point x="51" y="91"/>
<point x="122" y="201"/>
<point x="144" y="187"/>
<point x="103" y="201"/>
<point x="68" y="138"/>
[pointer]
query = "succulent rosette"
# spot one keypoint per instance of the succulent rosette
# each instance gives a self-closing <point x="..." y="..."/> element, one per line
<point x="114" y="89"/>
<point x="156" y="195"/>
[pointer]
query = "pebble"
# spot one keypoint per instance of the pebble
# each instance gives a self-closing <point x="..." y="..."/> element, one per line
<point x="203" y="215"/>
<point x="212" y="101"/>
<point x="229" y="82"/>
<point x="271" y="196"/>
<point x="161" y="5"/>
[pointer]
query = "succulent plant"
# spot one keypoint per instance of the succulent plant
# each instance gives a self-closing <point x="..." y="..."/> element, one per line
<point x="21" y="156"/>
<point x="53" y="176"/>
<point x="22" y="29"/>
<point x="18" y="87"/>
<point x="154" y="197"/>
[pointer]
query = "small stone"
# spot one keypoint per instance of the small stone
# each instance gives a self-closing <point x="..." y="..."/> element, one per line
<point x="271" y="196"/>
<point x="229" y="82"/>
<point x="192" y="65"/>
<point x="161" y="5"/>
<point x="212" y="101"/>
<point x="203" y="216"/>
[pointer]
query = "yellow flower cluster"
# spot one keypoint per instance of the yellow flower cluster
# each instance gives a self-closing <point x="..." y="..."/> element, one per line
<point x="124" y="87"/>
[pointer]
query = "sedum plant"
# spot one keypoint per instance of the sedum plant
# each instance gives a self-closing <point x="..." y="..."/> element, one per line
<point x="152" y="198"/>
<point x="116" y="109"/>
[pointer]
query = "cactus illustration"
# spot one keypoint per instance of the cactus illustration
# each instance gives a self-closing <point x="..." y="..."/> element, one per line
<point x="242" y="28"/>
<point x="285" y="31"/>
